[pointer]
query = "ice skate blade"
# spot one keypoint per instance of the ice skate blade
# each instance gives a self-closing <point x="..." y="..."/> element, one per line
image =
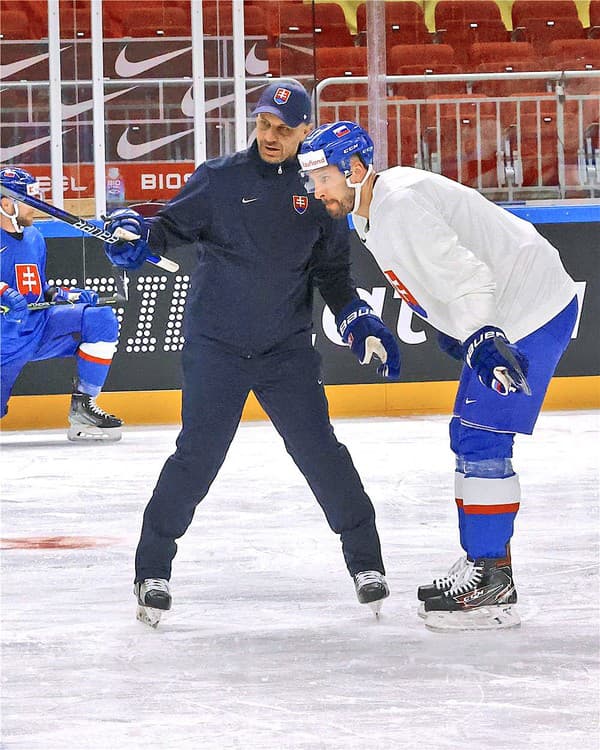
<point x="376" y="607"/>
<point x="421" y="611"/>
<point x="498" y="617"/>
<point x="80" y="433"/>
<point x="149" y="616"/>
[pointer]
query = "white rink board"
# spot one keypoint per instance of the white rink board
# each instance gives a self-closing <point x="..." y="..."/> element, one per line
<point x="266" y="646"/>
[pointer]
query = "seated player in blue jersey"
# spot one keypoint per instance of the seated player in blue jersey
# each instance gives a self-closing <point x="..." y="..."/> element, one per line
<point x="497" y="293"/>
<point x="76" y="329"/>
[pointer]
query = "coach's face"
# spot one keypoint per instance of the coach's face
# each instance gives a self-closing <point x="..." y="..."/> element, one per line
<point x="278" y="142"/>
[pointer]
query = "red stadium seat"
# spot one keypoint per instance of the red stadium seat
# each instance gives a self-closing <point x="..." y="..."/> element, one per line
<point x="284" y="61"/>
<point x="525" y="10"/>
<point x="460" y="36"/>
<point x="163" y="22"/>
<point x="323" y="22"/>
<point x="540" y="32"/>
<point x="470" y="11"/>
<point x="15" y="25"/>
<point x="336" y="61"/>
<point x="594" y="9"/>
<point x="571" y="54"/>
<point x="536" y="140"/>
<point x="463" y="149"/>
<point x="218" y="21"/>
<point x="419" y="54"/>
<point x="404" y="24"/>
<point x="501" y="52"/>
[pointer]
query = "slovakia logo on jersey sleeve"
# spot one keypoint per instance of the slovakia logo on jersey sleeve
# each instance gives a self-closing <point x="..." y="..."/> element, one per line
<point x="404" y="293"/>
<point x="300" y="203"/>
<point x="29" y="282"/>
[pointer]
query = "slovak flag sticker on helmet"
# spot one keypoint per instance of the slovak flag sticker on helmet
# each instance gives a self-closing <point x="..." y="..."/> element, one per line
<point x="300" y="203"/>
<point x="341" y="131"/>
<point x="281" y="96"/>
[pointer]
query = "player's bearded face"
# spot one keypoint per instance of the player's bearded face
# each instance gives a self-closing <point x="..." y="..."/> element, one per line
<point x="331" y="189"/>
<point x="277" y="142"/>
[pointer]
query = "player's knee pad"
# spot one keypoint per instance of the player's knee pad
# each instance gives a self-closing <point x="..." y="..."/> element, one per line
<point x="99" y="324"/>
<point x="481" y="453"/>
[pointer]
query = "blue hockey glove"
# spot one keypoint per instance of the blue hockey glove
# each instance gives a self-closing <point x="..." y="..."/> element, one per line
<point x="127" y="254"/>
<point x="450" y="346"/>
<point x="72" y="294"/>
<point x="14" y="305"/>
<point x="498" y="364"/>
<point x="367" y="335"/>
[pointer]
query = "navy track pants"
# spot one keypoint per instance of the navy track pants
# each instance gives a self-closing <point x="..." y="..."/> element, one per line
<point x="288" y="386"/>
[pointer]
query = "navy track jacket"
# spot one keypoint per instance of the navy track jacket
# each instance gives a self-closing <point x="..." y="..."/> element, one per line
<point x="262" y="244"/>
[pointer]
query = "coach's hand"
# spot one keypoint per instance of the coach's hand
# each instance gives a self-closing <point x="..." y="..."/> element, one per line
<point x="132" y="253"/>
<point x="366" y="335"/>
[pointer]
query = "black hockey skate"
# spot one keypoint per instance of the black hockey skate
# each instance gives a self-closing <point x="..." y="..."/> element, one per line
<point x="89" y="422"/>
<point x="482" y="599"/>
<point x="153" y="598"/>
<point x="371" y="588"/>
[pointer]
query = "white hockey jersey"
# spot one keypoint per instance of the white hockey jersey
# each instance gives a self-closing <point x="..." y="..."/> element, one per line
<point x="459" y="260"/>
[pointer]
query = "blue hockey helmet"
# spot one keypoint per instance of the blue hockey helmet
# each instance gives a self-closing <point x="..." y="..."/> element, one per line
<point x="18" y="180"/>
<point x="336" y="143"/>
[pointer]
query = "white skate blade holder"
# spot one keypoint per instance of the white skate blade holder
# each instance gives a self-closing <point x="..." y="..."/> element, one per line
<point x="497" y="617"/>
<point x="87" y="432"/>
<point x="149" y="615"/>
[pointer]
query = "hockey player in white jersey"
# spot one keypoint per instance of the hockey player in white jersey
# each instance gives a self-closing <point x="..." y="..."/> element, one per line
<point x="77" y="328"/>
<point x="497" y="293"/>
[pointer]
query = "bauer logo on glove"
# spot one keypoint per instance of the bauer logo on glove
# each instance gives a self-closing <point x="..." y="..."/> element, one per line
<point x="367" y="335"/>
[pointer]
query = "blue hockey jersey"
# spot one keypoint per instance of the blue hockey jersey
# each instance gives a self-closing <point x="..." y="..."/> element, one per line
<point x="262" y="245"/>
<point x="22" y="267"/>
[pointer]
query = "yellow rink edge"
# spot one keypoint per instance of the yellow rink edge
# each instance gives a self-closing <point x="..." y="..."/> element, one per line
<point x="372" y="400"/>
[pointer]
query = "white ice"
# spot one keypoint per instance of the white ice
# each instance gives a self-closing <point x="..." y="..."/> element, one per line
<point x="266" y="646"/>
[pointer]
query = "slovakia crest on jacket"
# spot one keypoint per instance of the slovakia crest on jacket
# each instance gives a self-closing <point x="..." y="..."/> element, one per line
<point x="300" y="203"/>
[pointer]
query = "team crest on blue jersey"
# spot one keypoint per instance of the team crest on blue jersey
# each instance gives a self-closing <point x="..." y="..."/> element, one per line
<point x="29" y="282"/>
<point x="405" y="294"/>
<point x="300" y="203"/>
<point x="281" y="96"/>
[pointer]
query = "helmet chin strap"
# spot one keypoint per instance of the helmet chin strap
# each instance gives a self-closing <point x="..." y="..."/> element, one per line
<point x="357" y="187"/>
<point x="13" y="217"/>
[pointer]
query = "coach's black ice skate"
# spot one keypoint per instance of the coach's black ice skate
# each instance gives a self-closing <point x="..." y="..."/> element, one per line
<point x="371" y="588"/>
<point x="482" y="599"/>
<point x="153" y="598"/>
<point x="89" y="422"/>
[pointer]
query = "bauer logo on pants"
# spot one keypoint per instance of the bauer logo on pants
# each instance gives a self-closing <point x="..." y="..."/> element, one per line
<point x="300" y="203"/>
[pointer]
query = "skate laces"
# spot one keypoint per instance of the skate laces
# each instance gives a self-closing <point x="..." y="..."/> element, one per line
<point x="456" y="572"/>
<point x="98" y="411"/>
<point x="366" y="577"/>
<point x="156" y="584"/>
<point x="470" y="579"/>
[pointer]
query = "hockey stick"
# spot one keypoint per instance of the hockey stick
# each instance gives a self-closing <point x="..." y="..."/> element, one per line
<point x="120" y="235"/>
<point x="102" y="302"/>
<point x="520" y="382"/>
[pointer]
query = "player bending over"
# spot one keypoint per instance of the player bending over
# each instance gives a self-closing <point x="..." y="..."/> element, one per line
<point x="502" y="302"/>
<point x="79" y="330"/>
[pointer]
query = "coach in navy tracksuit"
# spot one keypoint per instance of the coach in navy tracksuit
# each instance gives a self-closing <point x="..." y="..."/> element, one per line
<point x="262" y="243"/>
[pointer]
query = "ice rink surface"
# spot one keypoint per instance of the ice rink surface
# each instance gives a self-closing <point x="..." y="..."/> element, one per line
<point x="266" y="646"/>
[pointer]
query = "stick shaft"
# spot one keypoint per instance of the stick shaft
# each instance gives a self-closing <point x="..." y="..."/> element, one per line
<point x="102" y="302"/>
<point x="86" y="226"/>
